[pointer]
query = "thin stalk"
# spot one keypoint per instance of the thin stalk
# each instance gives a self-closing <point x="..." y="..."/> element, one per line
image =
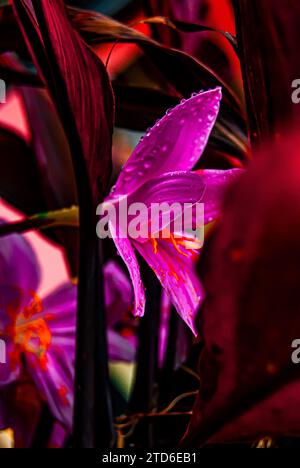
<point x="143" y="397"/>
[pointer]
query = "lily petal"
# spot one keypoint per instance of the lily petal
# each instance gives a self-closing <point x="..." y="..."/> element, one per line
<point x="173" y="188"/>
<point x="54" y="377"/>
<point x="19" y="277"/>
<point x="59" y="309"/>
<point x="176" y="272"/>
<point x="55" y="382"/>
<point x="216" y="183"/>
<point x="118" y="293"/>
<point x="127" y="253"/>
<point x="175" y="143"/>
<point x="11" y="370"/>
<point x="120" y="349"/>
<point x="18" y="267"/>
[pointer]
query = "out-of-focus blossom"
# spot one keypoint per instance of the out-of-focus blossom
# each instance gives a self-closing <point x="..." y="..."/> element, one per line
<point x="39" y="334"/>
<point x="159" y="170"/>
<point x="250" y="381"/>
<point x="182" y="336"/>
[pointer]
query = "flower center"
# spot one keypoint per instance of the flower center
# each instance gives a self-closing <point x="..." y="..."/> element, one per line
<point x="31" y="333"/>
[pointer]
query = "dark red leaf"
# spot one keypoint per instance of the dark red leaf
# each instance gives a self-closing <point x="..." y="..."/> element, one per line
<point x="53" y="160"/>
<point x="268" y="38"/>
<point x="189" y="27"/>
<point x="19" y="179"/>
<point x="249" y="385"/>
<point x="13" y="74"/>
<point x="10" y="35"/>
<point x="81" y="91"/>
<point x="78" y="82"/>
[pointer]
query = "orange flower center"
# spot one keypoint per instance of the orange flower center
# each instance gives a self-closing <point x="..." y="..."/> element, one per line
<point x="30" y="332"/>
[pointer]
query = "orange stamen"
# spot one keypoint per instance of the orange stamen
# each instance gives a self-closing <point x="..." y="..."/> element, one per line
<point x="175" y="243"/>
<point x="154" y="245"/>
<point x="30" y="333"/>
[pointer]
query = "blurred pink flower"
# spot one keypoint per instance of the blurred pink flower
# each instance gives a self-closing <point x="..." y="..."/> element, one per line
<point x="40" y="332"/>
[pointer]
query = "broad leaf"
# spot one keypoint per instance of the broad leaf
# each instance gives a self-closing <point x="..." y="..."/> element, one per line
<point x="268" y="37"/>
<point x="83" y="97"/>
<point x="53" y="160"/>
<point x="81" y="91"/>
<point x="249" y="384"/>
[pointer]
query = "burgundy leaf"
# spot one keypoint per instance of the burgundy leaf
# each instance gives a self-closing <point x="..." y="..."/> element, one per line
<point x="268" y="37"/>
<point x="249" y="385"/>
<point x="19" y="178"/>
<point x="79" y="84"/>
<point x="81" y="90"/>
<point x="10" y="35"/>
<point x="53" y="159"/>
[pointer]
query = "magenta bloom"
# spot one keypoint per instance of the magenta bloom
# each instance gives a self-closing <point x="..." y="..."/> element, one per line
<point x="40" y="333"/>
<point x="158" y="171"/>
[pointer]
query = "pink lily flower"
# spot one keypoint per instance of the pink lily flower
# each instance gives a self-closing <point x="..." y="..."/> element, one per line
<point x="39" y="333"/>
<point x="160" y="170"/>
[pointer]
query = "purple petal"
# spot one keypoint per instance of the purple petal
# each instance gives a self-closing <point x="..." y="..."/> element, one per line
<point x="58" y="437"/>
<point x="120" y="349"/>
<point x="55" y="382"/>
<point x="182" y="187"/>
<point x="12" y="301"/>
<point x="171" y="188"/>
<point x="19" y="279"/>
<point x="118" y="293"/>
<point x="216" y="183"/>
<point x="11" y="370"/>
<point x="78" y="81"/>
<point x="176" y="272"/>
<point x="175" y="143"/>
<point x="60" y="314"/>
<point x="18" y="265"/>
<point x="55" y="374"/>
<point x="126" y="251"/>
<point x="166" y="311"/>
<point x="20" y="410"/>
